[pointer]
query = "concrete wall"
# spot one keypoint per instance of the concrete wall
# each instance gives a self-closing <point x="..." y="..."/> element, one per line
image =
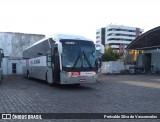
<point x="140" y="60"/>
<point x="7" y="66"/>
<point x="112" y="67"/>
<point x="155" y="61"/>
<point x="13" y="44"/>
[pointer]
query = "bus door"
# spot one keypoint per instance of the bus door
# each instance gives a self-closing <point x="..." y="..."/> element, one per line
<point x="56" y="69"/>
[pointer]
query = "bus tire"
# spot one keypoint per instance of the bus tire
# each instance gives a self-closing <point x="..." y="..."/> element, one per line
<point x="28" y="77"/>
<point x="46" y="77"/>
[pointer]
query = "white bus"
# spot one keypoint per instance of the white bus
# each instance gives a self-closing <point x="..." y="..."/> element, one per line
<point x="62" y="59"/>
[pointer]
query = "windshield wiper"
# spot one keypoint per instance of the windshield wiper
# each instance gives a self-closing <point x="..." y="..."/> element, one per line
<point x="76" y="61"/>
<point x="80" y="54"/>
<point x="87" y="59"/>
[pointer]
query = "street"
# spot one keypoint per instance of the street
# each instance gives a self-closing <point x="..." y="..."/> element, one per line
<point x="111" y="94"/>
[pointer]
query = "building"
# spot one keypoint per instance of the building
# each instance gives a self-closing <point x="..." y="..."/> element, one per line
<point x="13" y="45"/>
<point x="100" y="36"/>
<point x="144" y="52"/>
<point x="117" y="37"/>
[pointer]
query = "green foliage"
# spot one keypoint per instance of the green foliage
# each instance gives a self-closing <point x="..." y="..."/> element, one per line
<point x="110" y="55"/>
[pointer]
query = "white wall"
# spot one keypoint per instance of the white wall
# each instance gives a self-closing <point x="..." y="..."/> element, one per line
<point x="7" y="66"/>
<point x="6" y="43"/>
<point x="13" y="44"/>
<point x="112" y="67"/>
<point x="155" y="60"/>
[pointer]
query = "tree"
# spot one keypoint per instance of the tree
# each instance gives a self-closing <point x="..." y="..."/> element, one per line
<point x="110" y="55"/>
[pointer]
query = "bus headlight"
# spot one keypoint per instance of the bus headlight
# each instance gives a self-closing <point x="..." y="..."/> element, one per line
<point x="69" y="74"/>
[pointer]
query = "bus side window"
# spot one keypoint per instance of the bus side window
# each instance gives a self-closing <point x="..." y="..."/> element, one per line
<point x="52" y="60"/>
<point x="39" y="54"/>
<point x="49" y="60"/>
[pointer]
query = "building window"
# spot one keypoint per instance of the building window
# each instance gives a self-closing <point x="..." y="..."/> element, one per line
<point x="97" y="37"/>
<point x="119" y="39"/>
<point x="126" y="30"/>
<point x="119" y="34"/>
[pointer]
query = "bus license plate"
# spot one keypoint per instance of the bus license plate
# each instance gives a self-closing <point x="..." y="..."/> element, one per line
<point x="82" y="80"/>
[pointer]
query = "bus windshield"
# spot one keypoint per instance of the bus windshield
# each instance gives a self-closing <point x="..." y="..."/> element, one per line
<point x="78" y="54"/>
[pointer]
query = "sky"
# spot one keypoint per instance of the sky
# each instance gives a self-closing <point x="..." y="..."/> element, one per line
<point x="78" y="17"/>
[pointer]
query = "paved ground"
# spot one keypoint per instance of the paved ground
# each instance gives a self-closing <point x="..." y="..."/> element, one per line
<point x="112" y="94"/>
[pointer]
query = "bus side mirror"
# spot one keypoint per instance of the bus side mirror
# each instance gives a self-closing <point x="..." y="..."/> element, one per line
<point x="49" y="60"/>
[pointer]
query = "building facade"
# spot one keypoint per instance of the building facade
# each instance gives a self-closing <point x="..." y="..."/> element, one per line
<point x="144" y="52"/>
<point x="117" y="37"/>
<point x="13" y="45"/>
<point x="100" y="36"/>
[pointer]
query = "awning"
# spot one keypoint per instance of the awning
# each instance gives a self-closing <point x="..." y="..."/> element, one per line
<point x="146" y="41"/>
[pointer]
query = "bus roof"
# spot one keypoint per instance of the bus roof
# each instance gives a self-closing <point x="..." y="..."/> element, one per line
<point x="58" y="37"/>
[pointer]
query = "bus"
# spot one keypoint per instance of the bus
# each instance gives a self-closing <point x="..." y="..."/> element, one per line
<point x="1" y="71"/>
<point x="62" y="59"/>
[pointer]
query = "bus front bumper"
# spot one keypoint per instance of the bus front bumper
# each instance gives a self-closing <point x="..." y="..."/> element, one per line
<point x="65" y="79"/>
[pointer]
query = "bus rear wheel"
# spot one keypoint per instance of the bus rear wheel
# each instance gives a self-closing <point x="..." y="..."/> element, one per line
<point x="28" y="77"/>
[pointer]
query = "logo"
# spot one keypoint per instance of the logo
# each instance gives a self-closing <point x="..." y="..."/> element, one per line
<point x="6" y="116"/>
<point x="37" y="61"/>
